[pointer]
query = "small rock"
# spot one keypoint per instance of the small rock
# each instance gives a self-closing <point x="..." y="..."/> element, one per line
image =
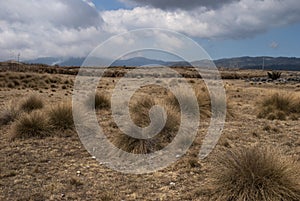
<point x="172" y="184"/>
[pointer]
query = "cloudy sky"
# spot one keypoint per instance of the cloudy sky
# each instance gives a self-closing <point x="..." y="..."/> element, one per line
<point x="228" y="28"/>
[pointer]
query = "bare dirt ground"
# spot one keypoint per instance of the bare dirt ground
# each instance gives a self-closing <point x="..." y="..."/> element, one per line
<point x="59" y="168"/>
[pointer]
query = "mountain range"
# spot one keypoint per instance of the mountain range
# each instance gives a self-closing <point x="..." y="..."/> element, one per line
<point x="268" y="63"/>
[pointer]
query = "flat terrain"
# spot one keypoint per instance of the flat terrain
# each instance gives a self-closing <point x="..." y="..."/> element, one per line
<point x="59" y="167"/>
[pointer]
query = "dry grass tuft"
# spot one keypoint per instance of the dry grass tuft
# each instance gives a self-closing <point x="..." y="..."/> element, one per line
<point x="99" y="101"/>
<point x="202" y="98"/>
<point x="140" y="110"/>
<point x="8" y="114"/>
<point x="248" y="174"/>
<point x="134" y="145"/>
<point x="61" y="116"/>
<point x="30" y="125"/>
<point x="31" y="103"/>
<point x="279" y="106"/>
<point x="75" y="182"/>
<point x="173" y="119"/>
<point x="140" y="115"/>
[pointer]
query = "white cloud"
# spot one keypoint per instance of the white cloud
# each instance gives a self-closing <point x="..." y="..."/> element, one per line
<point x="274" y="45"/>
<point x="242" y="19"/>
<point x="37" y="28"/>
<point x="179" y="4"/>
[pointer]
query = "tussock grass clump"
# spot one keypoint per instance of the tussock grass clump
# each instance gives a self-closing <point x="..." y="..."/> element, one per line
<point x="274" y="75"/>
<point x="8" y="114"/>
<point x="61" y="116"/>
<point x="204" y="100"/>
<point x="204" y="104"/>
<point x="141" y="117"/>
<point x="140" y="110"/>
<point x="31" y="103"/>
<point x="279" y="106"/>
<point x="173" y="119"/>
<point x="248" y="174"/>
<point x="219" y="105"/>
<point x="30" y="125"/>
<point x="99" y="101"/>
<point x="134" y="145"/>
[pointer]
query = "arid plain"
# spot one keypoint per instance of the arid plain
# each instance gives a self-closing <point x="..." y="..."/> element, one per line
<point x="49" y="162"/>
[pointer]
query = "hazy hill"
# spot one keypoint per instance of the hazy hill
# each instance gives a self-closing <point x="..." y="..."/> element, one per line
<point x="272" y="63"/>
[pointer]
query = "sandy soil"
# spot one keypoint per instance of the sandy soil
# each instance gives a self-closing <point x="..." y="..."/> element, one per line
<point x="59" y="168"/>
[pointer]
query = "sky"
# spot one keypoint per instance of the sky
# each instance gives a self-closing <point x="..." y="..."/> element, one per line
<point x="74" y="28"/>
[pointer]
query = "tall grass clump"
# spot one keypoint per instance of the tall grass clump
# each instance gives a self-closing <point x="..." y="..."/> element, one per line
<point x="31" y="103"/>
<point x="61" y="116"/>
<point x="279" y="106"/>
<point x="204" y="105"/>
<point x="134" y="145"/>
<point x="8" y="114"/>
<point x="274" y="75"/>
<point x="140" y="110"/>
<point x="248" y="174"/>
<point x="34" y="124"/>
<point x="141" y="117"/>
<point x="98" y="101"/>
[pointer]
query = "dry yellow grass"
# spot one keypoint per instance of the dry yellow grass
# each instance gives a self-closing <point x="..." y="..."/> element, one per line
<point x="35" y="124"/>
<point x="140" y="115"/>
<point x="8" y="114"/>
<point x="33" y="102"/>
<point x="24" y="161"/>
<point x="98" y="101"/>
<point x="134" y="145"/>
<point x="256" y="173"/>
<point x="61" y="116"/>
<point x="279" y="106"/>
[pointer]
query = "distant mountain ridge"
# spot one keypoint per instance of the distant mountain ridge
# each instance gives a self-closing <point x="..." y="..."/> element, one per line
<point x="268" y="63"/>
